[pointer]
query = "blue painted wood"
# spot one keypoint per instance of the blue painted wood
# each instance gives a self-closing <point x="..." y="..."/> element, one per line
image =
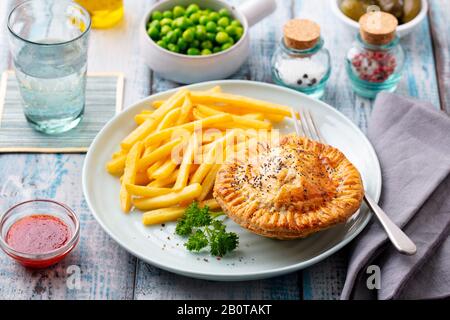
<point x="110" y="272"/>
<point x="440" y="31"/>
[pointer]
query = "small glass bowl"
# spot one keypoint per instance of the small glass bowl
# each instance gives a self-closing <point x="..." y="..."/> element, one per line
<point x="36" y="207"/>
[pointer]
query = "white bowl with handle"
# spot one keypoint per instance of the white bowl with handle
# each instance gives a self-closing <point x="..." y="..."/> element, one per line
<point x="191" y="69"/>
<point x="402" y="30"/>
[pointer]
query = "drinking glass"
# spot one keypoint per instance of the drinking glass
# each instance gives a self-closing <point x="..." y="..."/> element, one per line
<point x="48" y="43"/>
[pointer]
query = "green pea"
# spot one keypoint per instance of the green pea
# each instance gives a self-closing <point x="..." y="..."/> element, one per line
<point x="224" y="12"/>
<point x="153" y="32"/>
<point x="178" y="11"/>
<point x="172" y="37"/>
<point x="223" y="22"/>
<point x="192" y="8"/>
<point x="207" y="45"/>
<point x="195" y="44"/>
<point x="200" y="33"/>
<point x="195" y="17"/>
<point x="211" y="36"/>
<point x="239" y="33"/>
<point x="178" y="32"/>
<point x="236" y="23"/>
<point x="206" y="52"/>
<point x="188" y="35"/>
<point x="222" y="37"/>
<point x="217" y="49"/>
<point x="162" y="44"/>
<point x="165" y="30"/>
<point x="182" y="44"/>
<point x="166" y="21"/>
<point x="220" y="29"/>
<point x="203" y="20"/>
<point x="157" y="15"/>
<point x="207" y="11"/>
<point x="181" y="22"/>
<point x="155" y="24"/>
<point x="166" y="40"/>
<point x="231" y="40"/>
<point x="173" y="47"/>
<point x="168" y="14"/>
<point x="227" y="46"/>
<point x="231" y="30"/>
<point x="211" y="26"/>
<point x="214" y="16"/>
<point x="193" y="52"/>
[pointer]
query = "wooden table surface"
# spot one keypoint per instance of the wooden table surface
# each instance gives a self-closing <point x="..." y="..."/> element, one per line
<point x="107" y="270"/>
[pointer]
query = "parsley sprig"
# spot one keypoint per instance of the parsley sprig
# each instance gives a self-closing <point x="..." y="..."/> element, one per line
<point x="204" y="229"/>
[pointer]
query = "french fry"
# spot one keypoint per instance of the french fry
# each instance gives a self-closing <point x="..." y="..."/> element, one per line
<point x="163" y="215"/>
<point x="165" y="170"/>
<point x="209" y="160"/>
<point x="208" y="182"/>
<point x="154" y="167"/>
<point x="186" y="109"/>
<point x="129" y="175"/>
<point x="142" y="179"/>
<point x="116" y="165"/>
<point x="188" y="193"/>
<point x="145" y="128"/>
<point x="190" y="126"/>
<point x="158" y="103"/>
<point x="186" y="163"/>
<point x="243" y="121"/>
<point x="239" y="101"/>
<point x="169" y="119"/>
<point x="254" y="116"/>
<point x="160" y="183"/>
<point x="157" y="154"/>
<point x="145" y="191"/>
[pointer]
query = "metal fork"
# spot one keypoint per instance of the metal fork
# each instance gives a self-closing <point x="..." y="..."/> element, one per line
<point x="308" y="128"/>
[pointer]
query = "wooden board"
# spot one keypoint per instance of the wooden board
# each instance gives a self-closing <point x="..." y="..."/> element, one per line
<point x="108" y="271"/>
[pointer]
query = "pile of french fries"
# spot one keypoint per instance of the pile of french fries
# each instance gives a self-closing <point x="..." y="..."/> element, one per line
<point x="157" y="163"/>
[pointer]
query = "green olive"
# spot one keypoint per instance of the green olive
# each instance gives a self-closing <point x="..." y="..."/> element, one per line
<point x="411" y="9"/>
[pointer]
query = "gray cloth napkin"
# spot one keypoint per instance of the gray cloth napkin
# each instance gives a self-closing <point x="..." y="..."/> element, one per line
<point x="412" y="140"/>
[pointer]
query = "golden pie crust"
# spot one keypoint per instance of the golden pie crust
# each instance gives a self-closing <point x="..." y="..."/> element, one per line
<point x="291" y="190"/>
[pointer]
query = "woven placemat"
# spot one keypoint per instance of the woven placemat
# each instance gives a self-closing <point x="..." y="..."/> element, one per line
<point x="104" y="97"/>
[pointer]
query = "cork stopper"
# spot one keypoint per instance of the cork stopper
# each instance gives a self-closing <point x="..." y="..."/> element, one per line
<point x="378" y="28"/>
<point x="301" y="34"/>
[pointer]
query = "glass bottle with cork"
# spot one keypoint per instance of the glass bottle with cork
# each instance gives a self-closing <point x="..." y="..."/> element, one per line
<point x="375" y="62"/>
<point x="301" y="61"/>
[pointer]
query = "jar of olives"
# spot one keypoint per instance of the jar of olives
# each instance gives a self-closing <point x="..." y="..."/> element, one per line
<point x="375" y="62"/>
<point x="301" y="61"/>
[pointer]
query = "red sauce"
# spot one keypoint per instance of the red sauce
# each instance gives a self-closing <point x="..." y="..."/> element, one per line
<point x="38" y="234"/>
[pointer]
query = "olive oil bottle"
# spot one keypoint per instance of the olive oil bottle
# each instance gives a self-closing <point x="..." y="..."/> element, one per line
<point x="104" y="13"/>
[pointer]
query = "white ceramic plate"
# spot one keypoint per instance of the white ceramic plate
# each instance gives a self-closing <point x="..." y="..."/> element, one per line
<point x="256" y="257"/>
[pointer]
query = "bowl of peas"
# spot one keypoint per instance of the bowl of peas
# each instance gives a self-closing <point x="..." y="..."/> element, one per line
<point x="190" y="41"/>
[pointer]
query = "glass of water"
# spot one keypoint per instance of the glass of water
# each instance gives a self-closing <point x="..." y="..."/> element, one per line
<point x="49" y="42"/>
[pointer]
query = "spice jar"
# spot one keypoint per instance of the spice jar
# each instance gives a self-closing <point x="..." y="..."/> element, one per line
<point x="375" y="62"/>
<point x="301" y="62"/>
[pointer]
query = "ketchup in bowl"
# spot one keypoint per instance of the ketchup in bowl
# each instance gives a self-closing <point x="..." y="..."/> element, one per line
<point x="39" y="233"/>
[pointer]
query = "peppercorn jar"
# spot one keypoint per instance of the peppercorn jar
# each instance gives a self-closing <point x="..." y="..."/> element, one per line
<point x="375" y="62"/>
<point x="301" y="62"/>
